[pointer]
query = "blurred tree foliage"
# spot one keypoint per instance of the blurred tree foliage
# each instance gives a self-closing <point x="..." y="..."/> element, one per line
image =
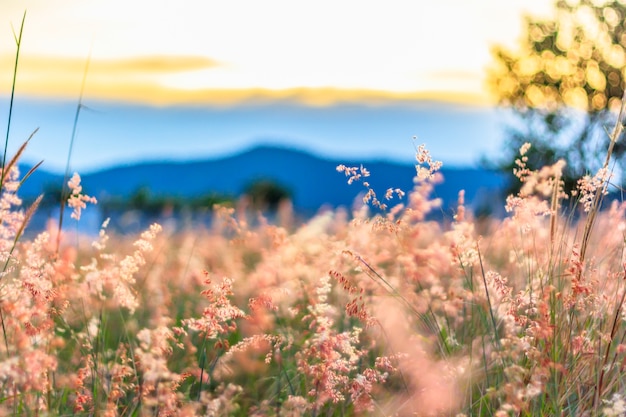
<point x="143" y="200"/>
<point x="564" y="86"/>
<point x="266" y="195"/>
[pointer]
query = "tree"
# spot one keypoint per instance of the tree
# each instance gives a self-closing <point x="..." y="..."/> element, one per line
<point x="564" y="87"/>
<point x="266" y="194"/>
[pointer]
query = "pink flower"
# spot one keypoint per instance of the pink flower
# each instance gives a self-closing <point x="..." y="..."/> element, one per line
<point x="78" y="201"/>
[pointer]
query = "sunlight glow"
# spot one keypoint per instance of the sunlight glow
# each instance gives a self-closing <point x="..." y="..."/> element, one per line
<point x="403" y="47"/>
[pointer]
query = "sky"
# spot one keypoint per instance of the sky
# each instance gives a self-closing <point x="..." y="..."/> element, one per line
<point x="231" y="66"/>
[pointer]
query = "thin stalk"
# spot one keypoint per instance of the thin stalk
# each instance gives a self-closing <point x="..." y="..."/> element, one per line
<point x="291" y="388"/>
<point x="616" y="321"/>
<point x="65" y="191"/>
<point x="429" y="325"/>
<point x="203" y="358"/>
<point x="4" y="332"/>
<point x="18" y="42"/>
<point x="202" y="363"/>
<point x="27" y="217"/>
<point x="493" y="318"/>
<point x="617" y="132"/>
<point x="554" y="207"/>
<point x="278" y="386"/>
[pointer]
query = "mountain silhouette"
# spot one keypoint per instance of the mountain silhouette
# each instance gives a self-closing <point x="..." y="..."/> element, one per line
<point x="313" y="181"/>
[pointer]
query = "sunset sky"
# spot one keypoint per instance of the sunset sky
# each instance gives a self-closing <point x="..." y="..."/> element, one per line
<point x="235" y="53"/>
<point x="157" y="51"/>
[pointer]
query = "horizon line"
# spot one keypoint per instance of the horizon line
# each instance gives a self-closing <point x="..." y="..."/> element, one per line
<point x="314" y="97"/>
<point x="181" y="160"/>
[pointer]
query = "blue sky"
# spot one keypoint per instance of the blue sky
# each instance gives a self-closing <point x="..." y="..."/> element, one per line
<point x="191" y="79"/>
<point x="113" y="133"/>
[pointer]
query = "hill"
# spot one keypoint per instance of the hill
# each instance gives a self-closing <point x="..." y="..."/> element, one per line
<point x="313" y="181"/>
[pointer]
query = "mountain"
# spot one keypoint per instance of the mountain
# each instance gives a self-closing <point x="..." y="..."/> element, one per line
<point x="313" y="181"/>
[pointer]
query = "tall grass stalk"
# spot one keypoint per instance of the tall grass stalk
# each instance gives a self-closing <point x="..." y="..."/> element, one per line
<point x="614" y="136"/>
<point x="18" y="42"/>
<point x="65" y="189"/>
<point x="428" y="321"/>
<point x="599" y="196"/>
<point x="617" y="318"/>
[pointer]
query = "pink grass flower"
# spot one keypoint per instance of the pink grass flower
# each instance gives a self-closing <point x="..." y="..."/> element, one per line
<point x="77" y="200"/>
<point x="218" y="317"/>
<point x="589" y="187"/>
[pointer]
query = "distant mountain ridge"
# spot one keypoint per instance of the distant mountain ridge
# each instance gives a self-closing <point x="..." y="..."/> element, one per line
<point x="313" y="181"/>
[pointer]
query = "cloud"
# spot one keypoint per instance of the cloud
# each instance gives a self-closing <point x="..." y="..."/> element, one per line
<point x="156" y="64"/>
<point x="140" y="80"/>
<point x="144" y="65"/>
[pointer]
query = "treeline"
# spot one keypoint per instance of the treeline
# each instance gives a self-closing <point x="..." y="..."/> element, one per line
<point x="263" y="194"/>
<point x="152" y="204"/>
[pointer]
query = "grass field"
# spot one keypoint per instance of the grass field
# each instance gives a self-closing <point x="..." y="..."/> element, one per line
<point x="349" y="313"/>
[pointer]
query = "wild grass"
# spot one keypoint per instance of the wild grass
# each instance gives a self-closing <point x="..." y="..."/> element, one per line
<point x="346" y="314"/>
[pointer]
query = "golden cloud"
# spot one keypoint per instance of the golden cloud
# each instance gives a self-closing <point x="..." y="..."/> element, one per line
<point x="45" y="75"/>
<point x="144" y="65"/>
<point x="136" y="80"/>
<point x="156" y="64"/>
